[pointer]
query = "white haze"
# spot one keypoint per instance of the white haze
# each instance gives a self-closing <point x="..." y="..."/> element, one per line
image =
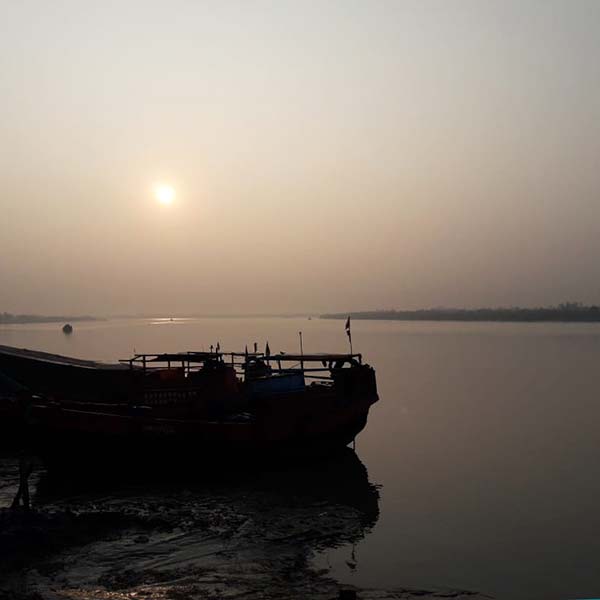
<point x="326" y="155"/>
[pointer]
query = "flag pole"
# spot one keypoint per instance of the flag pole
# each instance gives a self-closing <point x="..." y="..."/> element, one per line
<point x="349" y="334"/>
<point x="301" y="353"/>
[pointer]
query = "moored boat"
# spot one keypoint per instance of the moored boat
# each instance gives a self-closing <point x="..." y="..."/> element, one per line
<point x="198" y="406"/>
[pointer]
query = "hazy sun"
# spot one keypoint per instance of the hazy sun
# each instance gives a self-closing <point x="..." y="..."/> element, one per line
<point x="164" y="194"/>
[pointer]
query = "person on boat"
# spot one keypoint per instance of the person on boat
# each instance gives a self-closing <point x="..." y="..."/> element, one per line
<point x="257" y="368"/>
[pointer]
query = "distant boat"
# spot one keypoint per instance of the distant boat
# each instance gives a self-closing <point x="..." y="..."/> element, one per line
<point x="68" y="328"/>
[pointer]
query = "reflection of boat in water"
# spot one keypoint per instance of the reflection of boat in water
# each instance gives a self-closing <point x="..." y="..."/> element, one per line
<point x="253" y="530"/>
<point x="339" y="479"/>
<point x="332" y="497"/>
<point x="196" y="405"/>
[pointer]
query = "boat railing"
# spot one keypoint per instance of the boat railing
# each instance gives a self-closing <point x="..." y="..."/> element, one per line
<point x="312" y="366"/>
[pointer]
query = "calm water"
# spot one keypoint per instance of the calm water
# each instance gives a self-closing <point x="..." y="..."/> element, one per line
<point x="485" y="443"/>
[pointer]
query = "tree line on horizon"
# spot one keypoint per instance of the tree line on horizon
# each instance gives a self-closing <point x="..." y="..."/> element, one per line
<point x="8" y="318"/>
<point x="567" y="311"/>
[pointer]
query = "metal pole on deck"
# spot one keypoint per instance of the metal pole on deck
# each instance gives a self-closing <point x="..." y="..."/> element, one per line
<point x="349" y="334"/>
<point x="301" y="353"/>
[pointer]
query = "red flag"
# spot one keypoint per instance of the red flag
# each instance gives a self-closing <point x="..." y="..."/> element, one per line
<point x="348" y="332"/>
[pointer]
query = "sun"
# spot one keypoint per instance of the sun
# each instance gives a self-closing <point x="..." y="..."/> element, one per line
<point x="164" y="194"/>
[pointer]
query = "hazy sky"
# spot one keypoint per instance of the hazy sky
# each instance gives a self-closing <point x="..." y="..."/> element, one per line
<point x="326" y="155"/>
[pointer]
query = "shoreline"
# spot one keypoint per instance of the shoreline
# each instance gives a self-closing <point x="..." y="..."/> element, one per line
<point x="474" y="316"/>
<point x="234" y="535"/>
<point x="213" y="552"/>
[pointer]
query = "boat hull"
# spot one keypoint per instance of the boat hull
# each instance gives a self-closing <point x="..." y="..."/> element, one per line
<point x="98" y="441"/>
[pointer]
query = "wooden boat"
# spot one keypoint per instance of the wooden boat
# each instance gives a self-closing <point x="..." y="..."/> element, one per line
<point x="200" y="406"/>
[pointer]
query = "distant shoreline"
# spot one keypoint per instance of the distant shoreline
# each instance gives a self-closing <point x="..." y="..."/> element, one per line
<point x="568" y="313"/>
<point x="9" y="319"/>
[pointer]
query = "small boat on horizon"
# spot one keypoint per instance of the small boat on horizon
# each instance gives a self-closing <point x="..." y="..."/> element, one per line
<point x="201" y="407"/>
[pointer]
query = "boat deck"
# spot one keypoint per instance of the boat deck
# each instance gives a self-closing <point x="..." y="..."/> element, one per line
<point x="58" y="359"/>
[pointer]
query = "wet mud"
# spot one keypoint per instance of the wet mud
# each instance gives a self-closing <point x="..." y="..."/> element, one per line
<point x="231" y="535"/>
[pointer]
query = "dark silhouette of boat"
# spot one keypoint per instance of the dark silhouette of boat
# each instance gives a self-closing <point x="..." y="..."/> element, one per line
<point x="198" y="406"/>
<point x="67" y="329"/>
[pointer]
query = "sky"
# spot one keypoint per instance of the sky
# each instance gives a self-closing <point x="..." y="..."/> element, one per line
<point x="325" y="156"/>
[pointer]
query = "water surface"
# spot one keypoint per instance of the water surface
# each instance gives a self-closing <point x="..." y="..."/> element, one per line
<point x="485" y="443"/>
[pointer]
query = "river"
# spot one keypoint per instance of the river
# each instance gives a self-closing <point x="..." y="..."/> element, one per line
<point x="484" y="444"/>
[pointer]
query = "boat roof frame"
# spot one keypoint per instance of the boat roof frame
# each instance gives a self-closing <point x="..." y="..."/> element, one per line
<point x="202" y="357"/>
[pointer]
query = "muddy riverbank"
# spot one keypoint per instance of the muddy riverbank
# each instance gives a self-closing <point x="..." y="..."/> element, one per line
<point x="243" y="535"/>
